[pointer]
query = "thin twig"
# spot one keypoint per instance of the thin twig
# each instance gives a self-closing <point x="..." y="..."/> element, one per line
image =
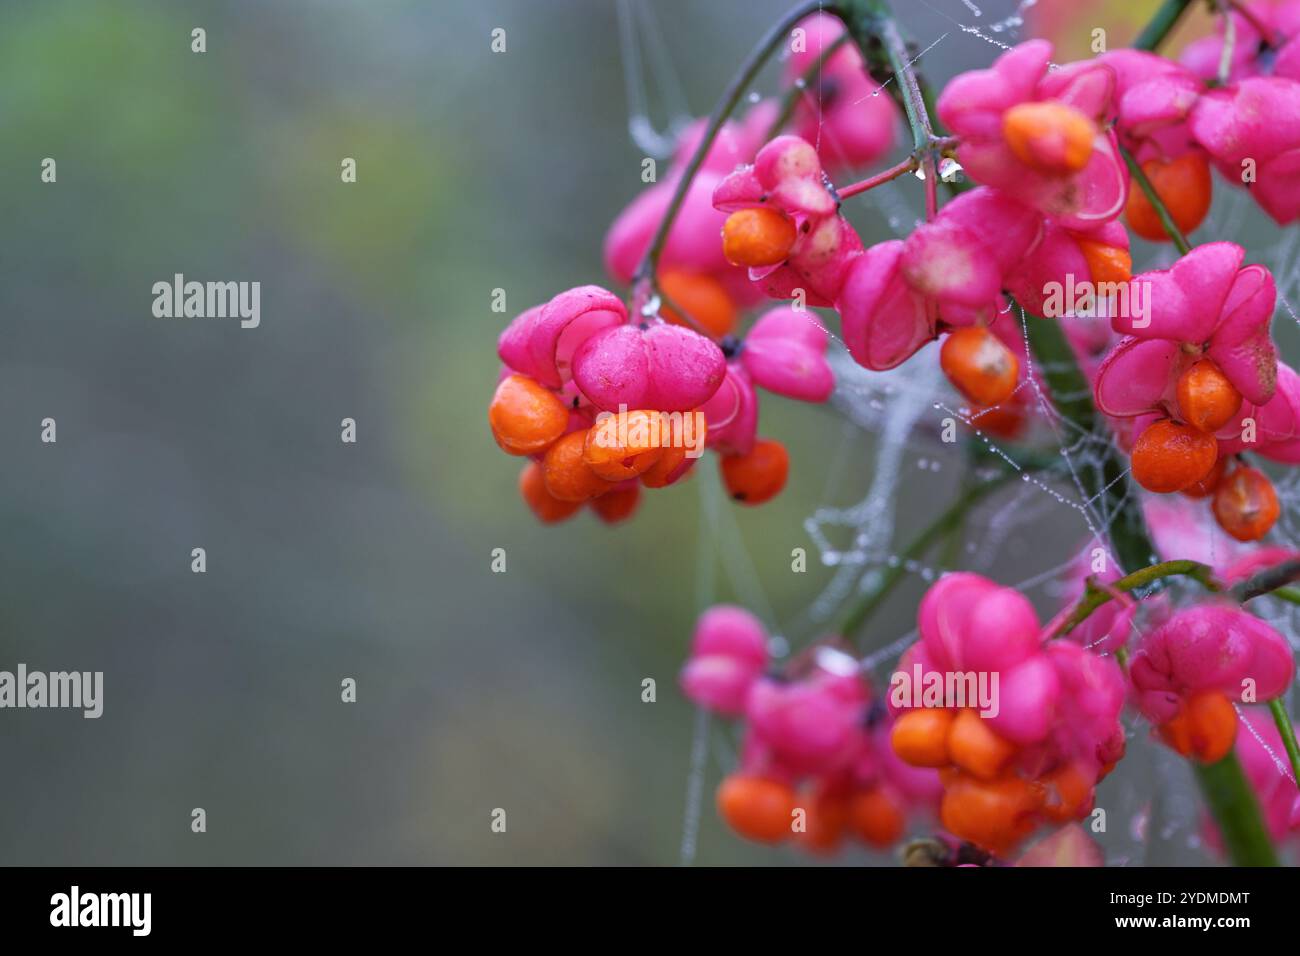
<point x="1158" y="204"/>
<point x="735" y="90"/>
<point x="1283" y="721"/>
<point x="1161" y="24"/>
<point x="1095" y="595"/>
<point x="871" y="182"/>
<point x="1267" y="580"/>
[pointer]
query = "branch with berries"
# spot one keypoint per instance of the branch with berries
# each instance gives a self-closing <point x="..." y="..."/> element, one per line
<point x="1162" y="390"/>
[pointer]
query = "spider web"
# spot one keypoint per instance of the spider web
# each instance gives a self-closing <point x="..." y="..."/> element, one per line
<point x="901" y="413"/>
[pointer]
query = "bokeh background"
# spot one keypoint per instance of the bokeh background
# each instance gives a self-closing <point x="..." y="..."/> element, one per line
<point x="476" y="690"/>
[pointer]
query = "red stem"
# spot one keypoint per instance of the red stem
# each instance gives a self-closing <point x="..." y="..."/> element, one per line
<point x="871" y="182"/>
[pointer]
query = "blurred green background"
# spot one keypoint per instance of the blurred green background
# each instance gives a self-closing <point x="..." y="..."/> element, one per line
<point x="476" y="690"/>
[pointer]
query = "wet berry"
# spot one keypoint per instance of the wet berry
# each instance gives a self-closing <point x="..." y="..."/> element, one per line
<point x="1205" y="487"/>
<point x="992" y="814"/>
<point x="671" y="466"/>
<point x="1206" y="399"/>
<point x="1185" y="188"/>
<point x="826" y="821"/>
<point x="1246" y="504"/>
<point x="567" y="476"/>
<point x="1006" y="419"/>
<point x="617" y="505"/>
<point x="526" y="417"/>
<point x="624" y="446"/>
<point x="1205" y="728"/>
<point x="979" y="365"/>
<point x="1066" y="793"/>
<point x="757" y="237"/>
<point x="548" y="508"/>
<point x="1169" y="456"/>
<point x="702" y="297"/>
<point x="758" y="476"/>
<point x="976" y="748"/>
<point x="876" y="818"/>
<point x="920" y="737"/>
<point x="757" y="808"/>
<point x="1106" y="263"/>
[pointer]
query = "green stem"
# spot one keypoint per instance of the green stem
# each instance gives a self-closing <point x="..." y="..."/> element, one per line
<point x="857" y="613"/>
<point x="1291" y="595"/>
<point x="1270" y="580"/>
<point x="866" y="20"/>
<point x="1157" y="203"/>
<point x="1227" y="795"/>
<point x="1155" y="31"/>
<point x="1071" y="394"/>
<point x="1094" y="597"/>
<point x="1234" y="808"/>
<point x="726" y="106"/>
<point x="1224" y="786"/>
<point x="918" y="115"/>
<point x="931" y="106"/>
<point x="1283" y="721"/>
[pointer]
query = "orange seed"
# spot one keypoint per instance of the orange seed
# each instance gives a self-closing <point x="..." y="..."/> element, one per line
<point x="761" y="236"/>
<point x="1169" y="456"/>
<point x="525" y="417"/>
<point x="979" y="365"/>
<point x="1245" y="504"/>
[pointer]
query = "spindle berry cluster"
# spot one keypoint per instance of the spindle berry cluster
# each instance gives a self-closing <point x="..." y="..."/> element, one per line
<point x="1064" y="162"/>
